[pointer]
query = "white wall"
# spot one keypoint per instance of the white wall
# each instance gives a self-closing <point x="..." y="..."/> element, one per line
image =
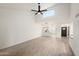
<point x="55" y="29"/>
<point x="71" y="30"/>
<point x="75" y="40"/>
<point x="17" y="26"/>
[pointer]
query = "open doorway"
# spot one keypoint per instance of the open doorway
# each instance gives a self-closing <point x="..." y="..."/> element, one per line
<point x="63" y="31"/>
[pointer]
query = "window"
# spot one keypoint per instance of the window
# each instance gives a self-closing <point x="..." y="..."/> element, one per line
<point x="49" y="13"/>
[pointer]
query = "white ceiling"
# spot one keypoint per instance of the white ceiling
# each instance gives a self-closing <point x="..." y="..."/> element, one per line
<point x="26" y="5"/>
<point x="62" y="9"/>
<point x="62" y="15"/>
<point x="16" y="5"/>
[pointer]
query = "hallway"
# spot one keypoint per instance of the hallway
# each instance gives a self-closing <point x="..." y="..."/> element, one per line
<point x="41" y="46"/>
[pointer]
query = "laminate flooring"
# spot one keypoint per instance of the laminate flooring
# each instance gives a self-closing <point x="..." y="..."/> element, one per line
<point x="41" y="46"/>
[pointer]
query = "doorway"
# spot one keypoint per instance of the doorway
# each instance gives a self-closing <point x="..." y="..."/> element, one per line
<point x="63" y="31"/>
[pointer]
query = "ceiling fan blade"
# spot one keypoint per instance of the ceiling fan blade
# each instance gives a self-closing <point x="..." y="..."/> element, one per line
<point x="43" y="10"/>
<point x="34" y="10"/>
<point x="36" y="13"/>
<point x="41" y="13"/>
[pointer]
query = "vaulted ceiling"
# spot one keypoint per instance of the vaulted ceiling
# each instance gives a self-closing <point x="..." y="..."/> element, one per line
<point x="62" y="10"/>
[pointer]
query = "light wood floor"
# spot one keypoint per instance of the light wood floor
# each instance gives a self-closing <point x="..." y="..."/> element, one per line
<point x="41" y="46"/>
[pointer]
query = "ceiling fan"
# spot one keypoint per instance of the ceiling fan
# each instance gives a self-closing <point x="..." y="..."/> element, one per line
<point x="39" y="10"/>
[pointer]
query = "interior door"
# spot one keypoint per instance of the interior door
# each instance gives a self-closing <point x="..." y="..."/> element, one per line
<point x="63" y="31"/>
